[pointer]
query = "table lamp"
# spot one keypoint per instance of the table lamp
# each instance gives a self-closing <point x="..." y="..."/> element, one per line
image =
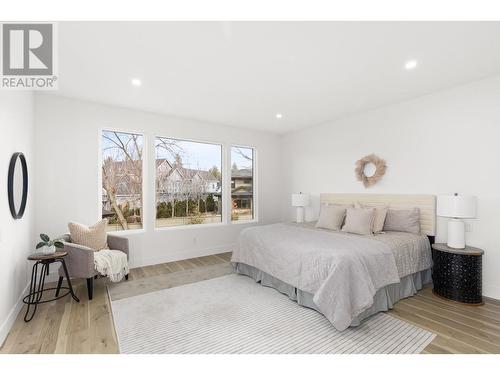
<point x="300" y="201"/>
<point x="456" y="207"/>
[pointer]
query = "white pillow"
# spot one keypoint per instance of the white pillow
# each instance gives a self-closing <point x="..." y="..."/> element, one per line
<point x="94" y="236"/>
<point x="380" y="214"/>
<point x="359" y="220"/>
<point x="331" y="217"/>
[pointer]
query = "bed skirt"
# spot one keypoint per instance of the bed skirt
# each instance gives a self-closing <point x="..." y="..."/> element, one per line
<point x="384" y="299"/>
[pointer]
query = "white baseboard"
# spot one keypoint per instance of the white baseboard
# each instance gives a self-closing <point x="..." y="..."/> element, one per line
<point x="171" y="257"/>
<point x="491" y="291"/>
<point x="11" y="318"/>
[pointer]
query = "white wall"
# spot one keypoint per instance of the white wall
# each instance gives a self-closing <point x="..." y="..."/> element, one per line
<point x="441" y="143"/>
<point x="437" y="144"/>
<point x="16" y="236"/>
<point x="67" y="151"/>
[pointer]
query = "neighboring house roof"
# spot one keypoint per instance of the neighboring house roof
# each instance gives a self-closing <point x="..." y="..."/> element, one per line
<point x="242" y="191"/>
<point x="241" y="173"/>
<point x="242" y="194"/>
<point x="162" y="161"/>
<point x="167" y="169"/>
<point x="186" y="172"/>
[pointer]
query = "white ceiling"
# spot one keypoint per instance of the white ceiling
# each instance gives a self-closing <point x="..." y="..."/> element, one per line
<point x="243" y="73"/>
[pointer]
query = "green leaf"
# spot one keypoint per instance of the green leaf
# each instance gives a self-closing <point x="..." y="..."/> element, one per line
<point x="44" y="237"/>
<point x="59" y="244"/>
<point x="40" y="244"/>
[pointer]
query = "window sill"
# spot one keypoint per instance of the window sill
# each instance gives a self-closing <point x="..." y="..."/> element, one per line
<point x="240" y="222"/>
<point x="189" y="226"/>
<point x="180" y="227"/>
<point x="126" y="232"/>
<point x="198" y="226"/>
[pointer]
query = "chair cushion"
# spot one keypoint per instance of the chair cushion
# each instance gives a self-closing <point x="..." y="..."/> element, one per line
<point x="93" y="237"/>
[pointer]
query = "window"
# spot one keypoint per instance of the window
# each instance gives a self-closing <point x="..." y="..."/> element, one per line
<point x="188" y="182"/>
<point x="122" y="180"/>
<point x="242" y="183"/>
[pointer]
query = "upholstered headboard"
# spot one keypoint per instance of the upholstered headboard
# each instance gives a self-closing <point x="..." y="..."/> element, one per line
<point x="426" y="204"/>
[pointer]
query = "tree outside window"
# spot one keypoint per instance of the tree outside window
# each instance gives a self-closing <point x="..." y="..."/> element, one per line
<point x="122" y="181"/>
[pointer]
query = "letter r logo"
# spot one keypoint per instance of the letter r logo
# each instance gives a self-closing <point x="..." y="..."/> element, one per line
<point x="27" y="49"/>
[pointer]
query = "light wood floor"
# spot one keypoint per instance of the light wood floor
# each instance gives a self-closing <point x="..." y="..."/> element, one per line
<point x="65" y="326"/>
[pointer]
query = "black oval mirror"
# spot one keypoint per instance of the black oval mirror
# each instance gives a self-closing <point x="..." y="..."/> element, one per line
<point x="17" y="185"/>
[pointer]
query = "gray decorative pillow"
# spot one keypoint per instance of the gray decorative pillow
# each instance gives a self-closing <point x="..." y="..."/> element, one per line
<point x="359" y="220"/>
<point x="403" y="220"/>
<point x="331" y="217"/>
<point x="380" y="214"/>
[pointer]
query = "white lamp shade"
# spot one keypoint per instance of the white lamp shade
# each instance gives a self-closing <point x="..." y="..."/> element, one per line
<point x="300" y="200"/>
<point x="458" y="206"/>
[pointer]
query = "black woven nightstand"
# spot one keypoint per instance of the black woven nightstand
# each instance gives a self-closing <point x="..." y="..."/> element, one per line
<point x="457" y="273"/>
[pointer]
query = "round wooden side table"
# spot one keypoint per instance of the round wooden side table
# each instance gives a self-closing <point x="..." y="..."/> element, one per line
<point x="457" y="273"/>
<point x="37" y="288"/>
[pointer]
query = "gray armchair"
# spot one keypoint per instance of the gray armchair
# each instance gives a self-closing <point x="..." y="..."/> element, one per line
<point x="80" y="260"/>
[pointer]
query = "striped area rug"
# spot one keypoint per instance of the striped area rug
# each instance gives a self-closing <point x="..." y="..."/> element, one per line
<point x="233" y="314"/>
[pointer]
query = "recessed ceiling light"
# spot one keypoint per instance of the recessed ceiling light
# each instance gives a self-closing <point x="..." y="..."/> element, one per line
<point x="279" y="115"/>
<point x="136" y="82"/>
<point x="411" y="64"/>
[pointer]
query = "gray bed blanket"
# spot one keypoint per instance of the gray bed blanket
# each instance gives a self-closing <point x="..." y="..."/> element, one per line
<point x="342" y="271"/>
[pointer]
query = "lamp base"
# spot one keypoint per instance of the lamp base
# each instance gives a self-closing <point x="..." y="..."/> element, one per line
<point x="456" y="234"/>
<point x="300" y="214"/>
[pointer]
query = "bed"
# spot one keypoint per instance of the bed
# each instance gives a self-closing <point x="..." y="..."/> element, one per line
<point x="346" y="277"/>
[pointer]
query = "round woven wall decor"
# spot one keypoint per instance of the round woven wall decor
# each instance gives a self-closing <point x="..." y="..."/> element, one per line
<point x="380" y="168"/>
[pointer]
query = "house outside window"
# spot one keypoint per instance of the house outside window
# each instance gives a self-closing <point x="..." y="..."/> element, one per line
<point x="188" y="182"/>
<point x="242" y="184"/>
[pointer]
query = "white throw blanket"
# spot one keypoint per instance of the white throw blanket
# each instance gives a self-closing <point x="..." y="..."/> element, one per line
<point x="111" y="263"/>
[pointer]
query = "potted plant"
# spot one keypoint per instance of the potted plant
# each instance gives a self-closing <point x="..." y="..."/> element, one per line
<point x="47" y="245"/>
